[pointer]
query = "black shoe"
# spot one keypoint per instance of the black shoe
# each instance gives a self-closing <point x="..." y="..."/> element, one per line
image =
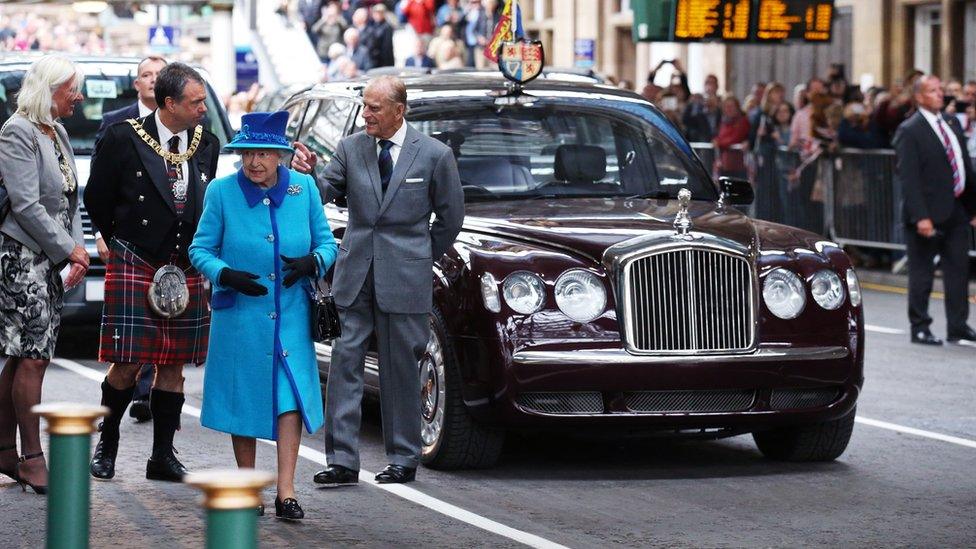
<point x="139" y="410"/>
<point x="968" y="336"/>
<point x="260" y="509"/>
<point x="165" y="467"/>
<point x="40" y="490"/>
<point x="103" y="462"/>
<point x="288" y="509"/>
<point x="396" y="474"/>
<point x="925" y="337"/>
<point x="336" y="475"/>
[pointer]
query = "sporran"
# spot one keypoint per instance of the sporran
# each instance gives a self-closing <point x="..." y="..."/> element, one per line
<point x="168" y="294"/>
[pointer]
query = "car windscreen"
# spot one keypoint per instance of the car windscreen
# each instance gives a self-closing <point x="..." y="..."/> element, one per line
<point x="558" y="148"/>
<point x="103" y="94"/>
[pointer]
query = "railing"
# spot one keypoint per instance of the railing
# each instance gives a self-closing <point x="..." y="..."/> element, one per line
<point x="851" y="196"/>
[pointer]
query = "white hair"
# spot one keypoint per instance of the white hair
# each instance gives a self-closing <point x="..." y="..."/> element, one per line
<point x="43" y="78"/>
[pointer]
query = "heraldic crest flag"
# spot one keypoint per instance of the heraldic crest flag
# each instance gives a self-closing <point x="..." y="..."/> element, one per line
<point x="509" y="27"/>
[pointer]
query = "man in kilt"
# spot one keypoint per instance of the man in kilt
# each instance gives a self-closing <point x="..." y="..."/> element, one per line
<point x="145" y="195"/>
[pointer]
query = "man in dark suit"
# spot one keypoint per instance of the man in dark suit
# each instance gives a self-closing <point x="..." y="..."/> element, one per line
<point x="939" y="186"/>
<point x="380" y="41"/>
<point x="420" y="59"/>
<point x="393" y="178"/>
<point x="146" y="72"/>
<point x="310" y="12"/>
<point x="145" y="194"/>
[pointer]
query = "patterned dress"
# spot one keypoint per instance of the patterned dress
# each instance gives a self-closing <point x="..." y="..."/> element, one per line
<point x="31" y="290"/>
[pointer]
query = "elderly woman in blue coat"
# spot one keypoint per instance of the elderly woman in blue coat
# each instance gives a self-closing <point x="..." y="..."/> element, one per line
<point x="262" y="239"/>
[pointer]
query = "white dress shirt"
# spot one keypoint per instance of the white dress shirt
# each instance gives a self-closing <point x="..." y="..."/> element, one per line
<point x="144" y="111"/>
<point x="398" y="138"/>
<point x="934" y="119"/>
<point x="164" y="137"/>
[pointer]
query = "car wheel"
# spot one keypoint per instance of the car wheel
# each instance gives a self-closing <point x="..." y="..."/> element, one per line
<point x="818" y="442"/>
<point x="451" y="438"/>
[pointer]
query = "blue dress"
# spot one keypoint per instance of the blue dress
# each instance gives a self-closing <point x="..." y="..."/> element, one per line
<point x="261" y="360"/>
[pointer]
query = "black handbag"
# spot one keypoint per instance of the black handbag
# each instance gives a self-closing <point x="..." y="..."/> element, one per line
<point x="325" y="314"/>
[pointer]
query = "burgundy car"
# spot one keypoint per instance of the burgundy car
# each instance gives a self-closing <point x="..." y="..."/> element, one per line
<point x="603" y="281"/>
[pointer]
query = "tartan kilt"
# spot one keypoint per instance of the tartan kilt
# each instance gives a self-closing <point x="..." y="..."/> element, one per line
<point x="132" y="333"/>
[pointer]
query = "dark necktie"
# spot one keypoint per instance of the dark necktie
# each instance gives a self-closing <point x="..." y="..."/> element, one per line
<point x="385" y="162"/>
<point x="957" y="185"/>
<point x="175" y="180"/>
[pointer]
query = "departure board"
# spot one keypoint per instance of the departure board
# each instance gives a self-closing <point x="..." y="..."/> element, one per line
<point x="735" y="21"/>
<point x="778" y="20"/>
<point x="727" y="20"/>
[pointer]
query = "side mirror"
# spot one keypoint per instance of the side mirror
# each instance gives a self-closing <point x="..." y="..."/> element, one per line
<point x="736" y="191"/>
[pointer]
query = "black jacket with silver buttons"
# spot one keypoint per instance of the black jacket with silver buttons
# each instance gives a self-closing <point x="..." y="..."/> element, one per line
<point x="128" y="194"/>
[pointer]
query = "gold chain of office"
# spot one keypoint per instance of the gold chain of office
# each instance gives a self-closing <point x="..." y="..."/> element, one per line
<point x="172" y="158"/>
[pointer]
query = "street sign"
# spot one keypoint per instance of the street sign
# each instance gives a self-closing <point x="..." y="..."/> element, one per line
<point x="652" y="20"/>
<point x="246" y="67"/>
<point x="583" y="52"/>
<point x="734" y="21"/>
<point x="163" y="38"/>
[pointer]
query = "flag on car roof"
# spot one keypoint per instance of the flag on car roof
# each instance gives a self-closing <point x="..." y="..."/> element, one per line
<point x="509" y="27"/>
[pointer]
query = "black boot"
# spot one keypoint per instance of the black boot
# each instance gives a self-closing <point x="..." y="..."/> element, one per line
<point x="116" y="400"/>
<point x="166" y="408"/>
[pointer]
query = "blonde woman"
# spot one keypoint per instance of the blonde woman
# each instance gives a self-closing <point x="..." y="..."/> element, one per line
<point x="39" y="236"/>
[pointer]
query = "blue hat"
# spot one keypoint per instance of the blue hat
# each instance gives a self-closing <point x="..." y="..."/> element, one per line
<point x="261" y="130"/>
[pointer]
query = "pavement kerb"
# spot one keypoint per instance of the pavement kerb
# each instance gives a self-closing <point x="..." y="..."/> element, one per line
<point x="900" y="281"/>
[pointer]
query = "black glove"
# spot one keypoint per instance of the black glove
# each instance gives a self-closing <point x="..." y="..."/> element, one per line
<point x="298" y="267"/>
<point x="242" y="281"/>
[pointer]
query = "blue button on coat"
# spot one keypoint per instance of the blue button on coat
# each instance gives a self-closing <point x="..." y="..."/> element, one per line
<point x="261" y="360"/>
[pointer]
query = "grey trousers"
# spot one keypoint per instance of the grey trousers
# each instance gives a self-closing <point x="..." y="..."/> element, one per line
<point x="401" y="341"/>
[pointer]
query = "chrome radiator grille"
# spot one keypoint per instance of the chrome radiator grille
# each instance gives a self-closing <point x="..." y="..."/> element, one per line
<point x="689" y="300"/>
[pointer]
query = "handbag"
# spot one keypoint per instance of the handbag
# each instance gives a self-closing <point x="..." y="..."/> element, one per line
<point x="325" y="314"/>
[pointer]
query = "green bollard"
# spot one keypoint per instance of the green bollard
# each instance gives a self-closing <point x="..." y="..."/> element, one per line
<point x="70" y="426"/>
<point x="231" y="497"/>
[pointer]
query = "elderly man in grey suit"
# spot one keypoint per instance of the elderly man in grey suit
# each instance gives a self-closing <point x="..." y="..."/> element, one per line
<point x="393" y="178"/>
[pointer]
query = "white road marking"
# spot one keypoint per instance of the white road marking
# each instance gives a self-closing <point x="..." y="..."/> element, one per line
<point x="883" y="330"/>
<point x="366" y="477"/>
<point x="917" y="432"/>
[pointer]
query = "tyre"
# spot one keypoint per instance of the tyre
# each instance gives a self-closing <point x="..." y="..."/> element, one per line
<point x="450" y="436"/>
<point x="818" y="442"/>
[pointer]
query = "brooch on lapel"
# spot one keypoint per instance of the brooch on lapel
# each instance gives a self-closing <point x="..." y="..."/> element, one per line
<point x="294" y="189"/>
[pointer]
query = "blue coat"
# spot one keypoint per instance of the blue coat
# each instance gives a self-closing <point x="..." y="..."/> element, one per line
<point x="261" y="360"/>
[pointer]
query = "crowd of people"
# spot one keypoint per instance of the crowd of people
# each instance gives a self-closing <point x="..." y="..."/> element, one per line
<point x="824" y="114"/>
<point x="30" y="31"/>
<point x="352" y="37"/>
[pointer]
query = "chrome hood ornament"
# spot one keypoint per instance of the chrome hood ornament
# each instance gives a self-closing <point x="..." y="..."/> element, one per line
<point x="682" y="221"/>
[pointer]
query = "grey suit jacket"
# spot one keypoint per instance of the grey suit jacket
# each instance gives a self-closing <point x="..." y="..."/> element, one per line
<point x="32" y="176"/>
<point x="392" y="232"/>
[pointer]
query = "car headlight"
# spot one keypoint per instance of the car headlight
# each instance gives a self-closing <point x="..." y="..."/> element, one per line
<point x="827" y="290"/>
<point x="524" y="292"/>
<point x="580" y="295"/>
<point x="784" y="294"/>
<point x="489" y="293"/>
<point x="853" y="288"/>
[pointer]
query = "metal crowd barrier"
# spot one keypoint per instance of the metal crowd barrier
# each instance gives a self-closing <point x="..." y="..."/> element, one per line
<point x="851" y="196"/>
